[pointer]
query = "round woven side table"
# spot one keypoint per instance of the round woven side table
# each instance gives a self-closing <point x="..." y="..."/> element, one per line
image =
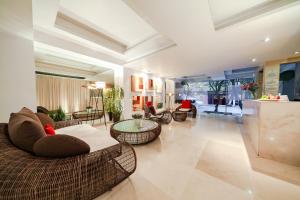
<point x="179" y="116"/>
<point x="135" y="133"/>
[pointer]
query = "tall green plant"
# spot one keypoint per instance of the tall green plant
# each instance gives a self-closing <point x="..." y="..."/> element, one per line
<point x="113" y="101"/>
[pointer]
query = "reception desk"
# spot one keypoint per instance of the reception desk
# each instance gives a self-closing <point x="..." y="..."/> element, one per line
<point x="273" y="129"/>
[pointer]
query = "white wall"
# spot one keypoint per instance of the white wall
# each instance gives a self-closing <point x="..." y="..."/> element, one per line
<point x="17" y="78"/>
<point x="123" y="79"/>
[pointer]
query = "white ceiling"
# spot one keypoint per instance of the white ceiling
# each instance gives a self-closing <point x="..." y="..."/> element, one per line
<point x="173" y="37"/>
<point x="104" y="29"/>
<point x="201" y="49"/>
<point x="112" y="17"/>
<point x="220" y="10"/>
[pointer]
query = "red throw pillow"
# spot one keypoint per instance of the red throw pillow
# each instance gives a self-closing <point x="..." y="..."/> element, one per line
<point x="49" y="129"/>
<point x="149" y="103"/>
<point x="186" y="104"/>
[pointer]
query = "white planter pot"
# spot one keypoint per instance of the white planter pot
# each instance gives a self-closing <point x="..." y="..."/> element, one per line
<point x="138" y="122"/>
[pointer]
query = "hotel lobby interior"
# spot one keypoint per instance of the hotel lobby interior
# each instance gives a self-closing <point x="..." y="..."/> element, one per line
<point x="150" y="99"/>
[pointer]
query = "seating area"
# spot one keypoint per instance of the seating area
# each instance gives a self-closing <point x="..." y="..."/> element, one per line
<point x="57" y="167"/>
<point x="145" y="100"/>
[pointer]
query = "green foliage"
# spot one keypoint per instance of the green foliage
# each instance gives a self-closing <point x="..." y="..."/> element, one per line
<point x="113" y="100"/>
<point x="57" y="115"/>
<point x="137" y="116"/>
<point x="160" y="105"/>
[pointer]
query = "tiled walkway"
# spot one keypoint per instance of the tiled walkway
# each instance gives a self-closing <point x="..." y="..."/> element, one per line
<point x="204" y="158"/>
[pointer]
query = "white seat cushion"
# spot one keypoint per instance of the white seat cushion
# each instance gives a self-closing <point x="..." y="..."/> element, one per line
<point x="92" y="136"/>
<point x="185" y="109"/>
<point x="160" y="111"/>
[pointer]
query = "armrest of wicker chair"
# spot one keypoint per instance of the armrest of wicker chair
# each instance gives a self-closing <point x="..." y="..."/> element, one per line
<point x="62" y="124"/>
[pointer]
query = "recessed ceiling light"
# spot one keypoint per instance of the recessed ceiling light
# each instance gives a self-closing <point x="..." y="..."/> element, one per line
<point x="253" y="59"/>
<point x="296" y="52"/>
<point x="267" y="39"/>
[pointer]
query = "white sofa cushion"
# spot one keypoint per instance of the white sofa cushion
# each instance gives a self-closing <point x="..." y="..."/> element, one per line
<point x="184" y="109"/>
<point x="160" y="111"/>
<point x="92" y="136"/>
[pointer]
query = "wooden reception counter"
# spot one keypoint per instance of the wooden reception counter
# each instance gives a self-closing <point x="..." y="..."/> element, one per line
<point x="273" y="129"/>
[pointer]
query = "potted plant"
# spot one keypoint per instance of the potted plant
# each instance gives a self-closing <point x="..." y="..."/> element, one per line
<point x="117" y="110"/>
<point x="57" y="115"/>
<point x="138" y="119"/>
<point x="108" y="102"/>
<point x="137" y="116"/>
<point x="113" y="102"/>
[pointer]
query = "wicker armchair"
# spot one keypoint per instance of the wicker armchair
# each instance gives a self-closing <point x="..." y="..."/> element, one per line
<point x="25" y="176"/>
<point x="193" y="110"/>
<point x="41" y="109"/>
<point x="163" y="117"/>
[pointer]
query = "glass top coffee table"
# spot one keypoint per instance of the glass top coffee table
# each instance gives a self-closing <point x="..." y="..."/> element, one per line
<point x="135" y="131"/>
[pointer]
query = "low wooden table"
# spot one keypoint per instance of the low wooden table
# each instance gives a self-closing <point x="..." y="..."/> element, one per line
<point x="179" y="116"/>
<point x="133" y="132"/>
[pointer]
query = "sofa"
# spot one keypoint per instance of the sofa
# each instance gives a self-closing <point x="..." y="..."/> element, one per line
<point x="24" y="175"/>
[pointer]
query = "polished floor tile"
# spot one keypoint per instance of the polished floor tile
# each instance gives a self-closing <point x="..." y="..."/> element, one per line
<point x="204" y="158"/>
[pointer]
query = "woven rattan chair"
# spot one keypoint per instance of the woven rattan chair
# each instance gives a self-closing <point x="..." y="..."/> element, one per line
<point x="163" y="117"/>
<point x="25" y="176"/>
<point x="193" y="110"/>
<point x="179" y="116"/>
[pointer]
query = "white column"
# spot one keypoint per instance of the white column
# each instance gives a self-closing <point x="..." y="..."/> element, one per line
<point x="17" y="69"/>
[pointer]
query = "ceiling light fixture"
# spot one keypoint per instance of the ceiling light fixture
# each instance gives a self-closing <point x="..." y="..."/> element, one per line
<point x="253" y="59"/>
<point x="267" y="39"/>
<point x="296" y="52"/>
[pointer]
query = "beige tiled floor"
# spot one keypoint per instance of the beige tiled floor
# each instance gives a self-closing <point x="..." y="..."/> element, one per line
<point x="203" y="158"/>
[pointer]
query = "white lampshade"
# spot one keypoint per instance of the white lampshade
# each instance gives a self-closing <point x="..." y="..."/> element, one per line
<point x="100" y="85"/>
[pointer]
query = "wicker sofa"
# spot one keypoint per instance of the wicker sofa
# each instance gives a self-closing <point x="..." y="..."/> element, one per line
<point x="26" y="176"/>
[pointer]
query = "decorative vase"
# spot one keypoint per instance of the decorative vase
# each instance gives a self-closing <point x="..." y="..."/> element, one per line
<point x="138" y="123"/>
<point x="253" y="93"/>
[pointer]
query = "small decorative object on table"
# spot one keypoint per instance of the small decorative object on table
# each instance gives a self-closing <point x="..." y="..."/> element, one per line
<point x="138" y="118"/>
